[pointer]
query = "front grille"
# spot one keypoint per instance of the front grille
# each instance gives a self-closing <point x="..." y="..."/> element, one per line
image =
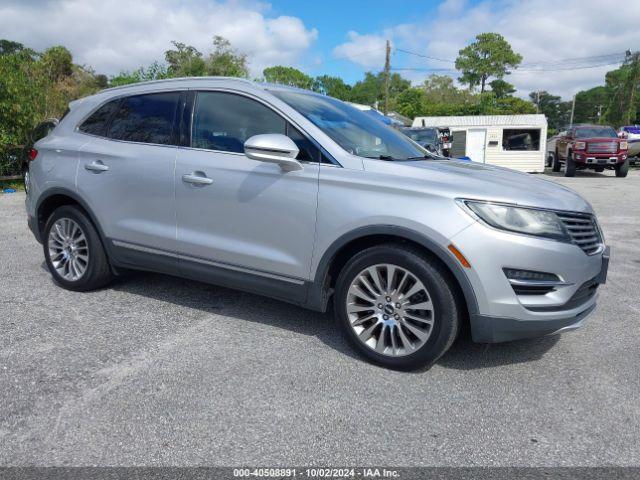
<point x="582" y="295"/>
<point x="602" y="147"/>
<point x="583" y="231"/>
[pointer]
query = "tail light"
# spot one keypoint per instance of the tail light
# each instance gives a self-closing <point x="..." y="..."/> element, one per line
<point x="33" y="153"/>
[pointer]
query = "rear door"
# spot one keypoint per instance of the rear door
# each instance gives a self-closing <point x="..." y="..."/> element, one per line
<point x="126" y="171"/>
<point x="245" y="216"/>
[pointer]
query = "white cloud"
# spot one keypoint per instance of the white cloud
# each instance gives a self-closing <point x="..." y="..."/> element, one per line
<point x="368" y="51"/>
<point x="115" y="35"/>
<point x="540" y="30"/>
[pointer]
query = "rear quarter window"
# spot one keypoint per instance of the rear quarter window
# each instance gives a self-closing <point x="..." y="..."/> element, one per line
<point x="96" y="123"/>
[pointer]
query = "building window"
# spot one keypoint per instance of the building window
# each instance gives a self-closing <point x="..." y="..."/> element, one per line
<point x="521" y="139"/>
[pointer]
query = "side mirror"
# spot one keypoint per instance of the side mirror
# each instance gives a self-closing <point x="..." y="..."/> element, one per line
<point x="430" y="147"/>
<point x="623" y="135"/>
<point x="273" y="148"/>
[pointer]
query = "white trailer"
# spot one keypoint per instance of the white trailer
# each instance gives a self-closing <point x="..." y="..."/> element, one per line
<point x="512" y="141"/>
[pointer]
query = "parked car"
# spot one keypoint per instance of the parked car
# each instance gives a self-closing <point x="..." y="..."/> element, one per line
<point x="425" y="137"/>
<point x="632" y="134"/>
<point x="42" y="130"/>
<point x="593" y="147"/>
<point x="301" y="197"/>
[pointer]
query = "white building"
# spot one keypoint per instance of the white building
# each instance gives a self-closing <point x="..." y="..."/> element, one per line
<point x="512" y="141"/>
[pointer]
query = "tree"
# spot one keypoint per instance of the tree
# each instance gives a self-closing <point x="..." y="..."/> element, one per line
<point x="557" y="112"/>
<point x="288" y="76"/>
<point x="502" y="89"/>
<point x="623" y="99"/>
<point x="224" y="61"/>
<point x="489" y="56"/>
<point x="332" y="86"/>
<point x="184" y="61"/>
<point x="590" y="105"/>
<point x="8" y="47"/>
<point x="371" y="89"/>
<point x="155" y="71"/>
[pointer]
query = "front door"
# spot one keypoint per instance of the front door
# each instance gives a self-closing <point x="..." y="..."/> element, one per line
<point x="476" y="139"/>
<point x="236" y="215"/>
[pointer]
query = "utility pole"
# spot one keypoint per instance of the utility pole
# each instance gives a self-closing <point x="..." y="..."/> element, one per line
<point x="538" y="101"/>
<point x="573" y="109"/>
<point x="387" y="70"/>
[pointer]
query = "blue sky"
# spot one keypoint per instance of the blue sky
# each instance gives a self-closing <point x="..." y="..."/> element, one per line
<point x="344" y="38"/>
<point x="334" y="19"/>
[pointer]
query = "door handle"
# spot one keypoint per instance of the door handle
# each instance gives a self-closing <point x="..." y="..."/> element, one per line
<point x="96" y="167"/>
<point x="196" y="179"/>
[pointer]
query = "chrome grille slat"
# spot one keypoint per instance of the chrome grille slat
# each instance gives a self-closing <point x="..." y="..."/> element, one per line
<point x="583" y="231"/>
<point x="602" y="147"/>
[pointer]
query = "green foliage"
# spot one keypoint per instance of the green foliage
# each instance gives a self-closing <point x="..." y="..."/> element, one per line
<point x="332" y="86"/>
<point x="370" y="90"/>
<point x="623" y="93"/>
<point x="502" y="89"/>
<point x="489" y="56"/>
<point x="224" y="61"/>
<point x="557" y="112"/>
<point x="184" y="61"/>
<point x="288" y="76"/>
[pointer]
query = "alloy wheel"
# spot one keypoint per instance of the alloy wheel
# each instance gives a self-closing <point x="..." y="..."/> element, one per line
<point x="68" y="249"/>
<point x="390" y="310"/>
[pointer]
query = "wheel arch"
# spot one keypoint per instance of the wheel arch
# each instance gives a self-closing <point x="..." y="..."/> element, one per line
<point x="338" y="254"/>
<point x="56" y="197"/>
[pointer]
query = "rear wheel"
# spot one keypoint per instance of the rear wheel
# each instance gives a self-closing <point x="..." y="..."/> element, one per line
<point x="73" y="251"/>
<point x="569" y="166"/>
<point x="556" y="162"/>
<point x="397" y="307"/>
<point x="622" y="168"/>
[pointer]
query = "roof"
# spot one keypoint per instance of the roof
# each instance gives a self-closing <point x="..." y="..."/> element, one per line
<point x="481" y="120"/>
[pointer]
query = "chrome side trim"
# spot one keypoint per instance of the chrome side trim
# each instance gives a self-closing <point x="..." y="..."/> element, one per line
<point x="141" y="248"/>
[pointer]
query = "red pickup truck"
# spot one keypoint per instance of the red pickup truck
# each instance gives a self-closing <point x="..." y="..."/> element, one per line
<point x="595" y="147"/>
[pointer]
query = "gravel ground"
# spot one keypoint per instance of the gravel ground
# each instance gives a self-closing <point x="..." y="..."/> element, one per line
<point x="156" y="371"/>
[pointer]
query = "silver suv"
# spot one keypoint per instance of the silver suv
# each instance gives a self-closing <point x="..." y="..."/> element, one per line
<point x="301" y="197"/>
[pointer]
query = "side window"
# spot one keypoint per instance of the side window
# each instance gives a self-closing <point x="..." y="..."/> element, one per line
<point x="96" y="124"/>
<point x="224" y="121"/>
<point x="146" y="118"/>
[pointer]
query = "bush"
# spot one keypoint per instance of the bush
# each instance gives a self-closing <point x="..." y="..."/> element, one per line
<point x="10" y="162"/>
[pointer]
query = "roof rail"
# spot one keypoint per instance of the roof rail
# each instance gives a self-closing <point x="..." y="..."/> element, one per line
<point x="178" y="79"/>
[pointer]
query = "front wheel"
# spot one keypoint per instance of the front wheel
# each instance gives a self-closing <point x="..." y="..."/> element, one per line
<point x="569" y="166"/>
<point x="397" y="307"/>
<point x="556" y="163"/>
<point x="622" y="169"/>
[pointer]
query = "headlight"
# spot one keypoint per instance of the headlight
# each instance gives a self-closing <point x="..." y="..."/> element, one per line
<point x="624" y="145"/>
<point x="580" y="145"/>
<point x="530" y="221"/>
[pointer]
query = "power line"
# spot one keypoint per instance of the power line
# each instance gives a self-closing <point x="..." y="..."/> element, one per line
<point x="424" y="56"/>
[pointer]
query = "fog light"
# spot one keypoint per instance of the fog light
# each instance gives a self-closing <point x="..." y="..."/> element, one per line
<point x="529" y="275"/>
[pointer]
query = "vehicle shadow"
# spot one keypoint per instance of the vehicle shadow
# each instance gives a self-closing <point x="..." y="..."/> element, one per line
<point x="582" y="173"/>
<point x="463" y="355"/>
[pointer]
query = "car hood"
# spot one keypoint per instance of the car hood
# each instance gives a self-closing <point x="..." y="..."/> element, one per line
<point x="460" y="179"/>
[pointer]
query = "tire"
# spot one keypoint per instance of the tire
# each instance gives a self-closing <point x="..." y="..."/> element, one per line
<point x="401" y="348"/>
<point x="556" y="163"/>
<point x="569" y="166"/>
<point x="622" y="169"/>
<point x="549" y="161"/>
<point x="97" y="272"/>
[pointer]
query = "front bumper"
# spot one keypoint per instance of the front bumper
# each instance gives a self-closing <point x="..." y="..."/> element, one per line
<point x="599" y="159"/>
<point x="504" y="315"/>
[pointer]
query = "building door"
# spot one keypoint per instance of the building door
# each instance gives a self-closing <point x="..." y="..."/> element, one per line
<point x="476" y="139"/>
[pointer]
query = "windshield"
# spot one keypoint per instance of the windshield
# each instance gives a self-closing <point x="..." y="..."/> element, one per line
<point x="429" y="135"/>
<point x="355" y="131"/>
<point x="590" y="132"/>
